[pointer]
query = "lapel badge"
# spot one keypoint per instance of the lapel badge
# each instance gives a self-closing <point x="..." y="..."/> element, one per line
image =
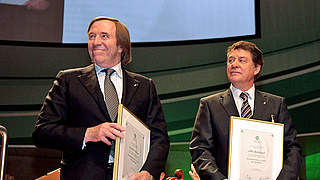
<point x="136" y="83"/>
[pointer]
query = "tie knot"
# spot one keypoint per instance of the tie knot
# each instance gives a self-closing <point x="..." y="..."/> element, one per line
<point x="244" y="96"/>
<point x="109" y="71"/>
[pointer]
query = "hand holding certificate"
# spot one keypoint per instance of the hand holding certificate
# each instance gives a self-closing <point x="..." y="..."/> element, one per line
<point x="132" y="151"/>
<point x="255" y="149"/>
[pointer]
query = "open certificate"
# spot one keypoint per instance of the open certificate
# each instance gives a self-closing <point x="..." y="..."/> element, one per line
<point x="255" y="149"/>
<point x="132" y="151"/>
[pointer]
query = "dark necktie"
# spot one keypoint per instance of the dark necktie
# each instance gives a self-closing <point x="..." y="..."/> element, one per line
<point x="111" y="96"/>
<point x="112" y="104"/>
<point x="245" y="108"/>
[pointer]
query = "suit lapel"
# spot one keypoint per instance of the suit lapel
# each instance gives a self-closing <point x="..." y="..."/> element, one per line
<point x="130" y="86"/>
<point x="228" y="103"/>
<point x="89" y="80"/>
<point x="260" y="105"/>
<point x="260" y="111"/>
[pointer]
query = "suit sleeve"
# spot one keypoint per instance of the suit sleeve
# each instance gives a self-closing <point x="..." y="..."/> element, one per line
<point x="51" y="129"/>
<point x="291" y="150"/>
<point x="159" y="146"/>
<point x="202" y="144"/>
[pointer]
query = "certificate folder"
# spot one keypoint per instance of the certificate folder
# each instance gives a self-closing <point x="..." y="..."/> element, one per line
<point x="255" y="149"/>
<point x="132" y="151"/>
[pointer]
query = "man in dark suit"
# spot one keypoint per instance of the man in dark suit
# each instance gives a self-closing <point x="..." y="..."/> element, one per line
<point x="210" y="137"/>
<point x="75" y="117"/>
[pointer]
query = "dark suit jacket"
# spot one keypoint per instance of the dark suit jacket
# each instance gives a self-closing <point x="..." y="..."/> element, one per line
<point x="210" y="137"/>
<point x="76" y="102"/>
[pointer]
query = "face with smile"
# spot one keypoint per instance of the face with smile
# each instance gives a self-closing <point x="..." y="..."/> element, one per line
<point x="241" y="70"/>
<point x="102" y="44"/>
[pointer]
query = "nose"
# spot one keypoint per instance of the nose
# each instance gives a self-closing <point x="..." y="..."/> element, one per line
<point x="97" y="40"/>
<point x="234" y="64"/>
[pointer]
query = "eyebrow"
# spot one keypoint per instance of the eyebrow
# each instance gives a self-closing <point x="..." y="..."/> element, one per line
<point x="90" y="32"/>
<point x="238" y="57"/>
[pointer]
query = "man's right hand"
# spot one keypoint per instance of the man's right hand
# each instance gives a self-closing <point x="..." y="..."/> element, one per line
<point x="104" y="131"/>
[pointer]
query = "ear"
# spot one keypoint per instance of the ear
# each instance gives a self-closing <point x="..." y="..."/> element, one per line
<point x="257" y="69"/>
<point x="120" y="49"/>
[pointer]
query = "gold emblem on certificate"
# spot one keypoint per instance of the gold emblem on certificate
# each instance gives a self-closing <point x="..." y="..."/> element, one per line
<point x="255" y="149"/>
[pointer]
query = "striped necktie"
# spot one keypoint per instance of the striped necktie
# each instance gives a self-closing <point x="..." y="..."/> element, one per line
<point x="245" y="109"/>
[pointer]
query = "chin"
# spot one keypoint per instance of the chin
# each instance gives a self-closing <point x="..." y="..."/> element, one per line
<point x="233" y="78"/>
<point x="98" y="59"/>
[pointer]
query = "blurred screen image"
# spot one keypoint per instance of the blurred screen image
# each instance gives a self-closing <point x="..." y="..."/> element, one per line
<point x="66" y="21"/>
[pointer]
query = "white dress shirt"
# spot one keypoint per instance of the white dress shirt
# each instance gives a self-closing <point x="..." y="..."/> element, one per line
<point x="238" y="100"/>
<point x="116" y="78"/>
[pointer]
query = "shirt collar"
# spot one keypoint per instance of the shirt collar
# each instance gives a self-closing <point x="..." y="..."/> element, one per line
<point x="236" y="92"/>
<point x="117" y="68"/>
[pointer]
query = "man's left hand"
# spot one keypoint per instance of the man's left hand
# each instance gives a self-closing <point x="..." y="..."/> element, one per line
<point x="143" y="175"/>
